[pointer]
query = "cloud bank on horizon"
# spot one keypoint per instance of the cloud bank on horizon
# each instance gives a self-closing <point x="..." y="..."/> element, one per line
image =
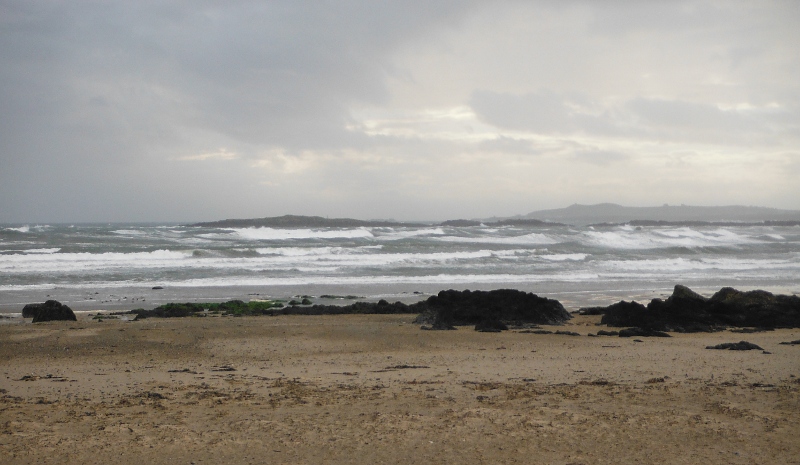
<point x="189" y="111"/>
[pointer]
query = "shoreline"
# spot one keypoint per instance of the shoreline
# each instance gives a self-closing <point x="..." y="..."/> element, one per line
<point x="572" y="295"/>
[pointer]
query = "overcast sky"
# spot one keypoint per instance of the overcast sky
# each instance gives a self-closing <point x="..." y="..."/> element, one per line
<point x="426" y="110"/>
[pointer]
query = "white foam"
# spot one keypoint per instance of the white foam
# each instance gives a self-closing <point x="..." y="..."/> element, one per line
<point x="396" y="234"/>
<point x="129" y="232"/>
<point x="67" y="262"/>
<point x="22" y="229"/>
<point x="287" y="234"/>
<point x="564" y="257"/>
<point x="305" y="259"/>
<point x="526" y="239"/>
<point x="313" y="261"/>
<point x="316" y="251"/>
<point x="44" y="251"/>
<point x="661" y="238"/>
<point x="674" y="265"/>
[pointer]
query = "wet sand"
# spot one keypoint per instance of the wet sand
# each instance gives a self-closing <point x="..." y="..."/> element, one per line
<point x="377" y="389"/>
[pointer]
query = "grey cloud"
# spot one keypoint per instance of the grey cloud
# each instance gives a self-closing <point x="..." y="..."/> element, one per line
<point x="503" y="144"/>
<point x="685" y="115"/>
<point x="547" y="112"/>
<point x="600" y="157"/>
<point x="544" y="112"/>
<point x="281" y="73"/>
<point x="91" y="91"/>
<point x="682" y="120"/>
<point x="652" y="16"/>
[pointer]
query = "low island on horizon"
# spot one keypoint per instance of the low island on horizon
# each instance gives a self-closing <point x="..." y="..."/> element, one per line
<point x="603" y="214"/>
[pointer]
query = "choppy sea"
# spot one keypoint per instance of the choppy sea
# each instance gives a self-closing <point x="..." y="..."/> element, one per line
<point x="116" y="266"/>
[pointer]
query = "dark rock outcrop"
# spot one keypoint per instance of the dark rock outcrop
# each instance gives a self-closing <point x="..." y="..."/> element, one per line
<point x="567" y="333"/>
<point x="511" y="307"/>
<point x="687" y="311"/>
<point x="491" y="326"/>
<point x="757" y="308"/>
<point x="624" y="314"/>
<point x="381" y="307"/>
<point x="603" y="332"/>
<point x="170" y="310"/>
<point x="641" y="332"/>
<point x="52" y="310"/>
<point x="592" y="311"/>
<point x="241" y="308"/>
<point x="29" y="310"/>
<point x="741" y="345"/>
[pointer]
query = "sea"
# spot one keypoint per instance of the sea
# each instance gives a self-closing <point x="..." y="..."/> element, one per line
<point x="118" y="266"/>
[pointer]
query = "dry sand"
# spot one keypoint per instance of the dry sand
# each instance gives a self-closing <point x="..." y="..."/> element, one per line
<point x="376" y="389"/>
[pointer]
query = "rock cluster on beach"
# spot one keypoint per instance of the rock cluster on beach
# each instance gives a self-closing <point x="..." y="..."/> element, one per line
<point x="497" y="310"/>
<point x="687" y="311"/>
<point x="52" y="310"/>
<point x="241" y="308"/>
<point x="489" y="310"/>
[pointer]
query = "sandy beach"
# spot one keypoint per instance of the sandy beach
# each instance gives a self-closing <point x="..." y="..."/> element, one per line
<point x="376" y="389"/>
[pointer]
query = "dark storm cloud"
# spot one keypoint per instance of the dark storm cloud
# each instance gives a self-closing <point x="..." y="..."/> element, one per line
<point x="267" y="72"/>
<point x="93" y="90"/>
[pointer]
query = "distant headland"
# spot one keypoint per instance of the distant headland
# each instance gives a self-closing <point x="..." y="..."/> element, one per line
<point x="687" y="215"/>
<point x="602" y="214"/>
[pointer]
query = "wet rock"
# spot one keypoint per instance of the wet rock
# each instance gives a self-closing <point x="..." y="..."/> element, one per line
<point x="491" y="326"/>
<point x="29" y="310"/>
<point x="52" y="310"/>
<point x="741" y="345"/>
<point x="642" y="332"/>
<point x="791" y="343"/>
<point x="170" y="310"/>
<point x="687" y="311"/>
<point x="757" y="308"/>
<point x="682" y="292"/>
<point x="567" y="333"/>
<point x="751" y="330"/>
<point x="379" y="308"/>
<point x="603" y="332"/>
<point x="458" y="308"/>
<point x="592" y="311"/>
<point x="624" y="314"/>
